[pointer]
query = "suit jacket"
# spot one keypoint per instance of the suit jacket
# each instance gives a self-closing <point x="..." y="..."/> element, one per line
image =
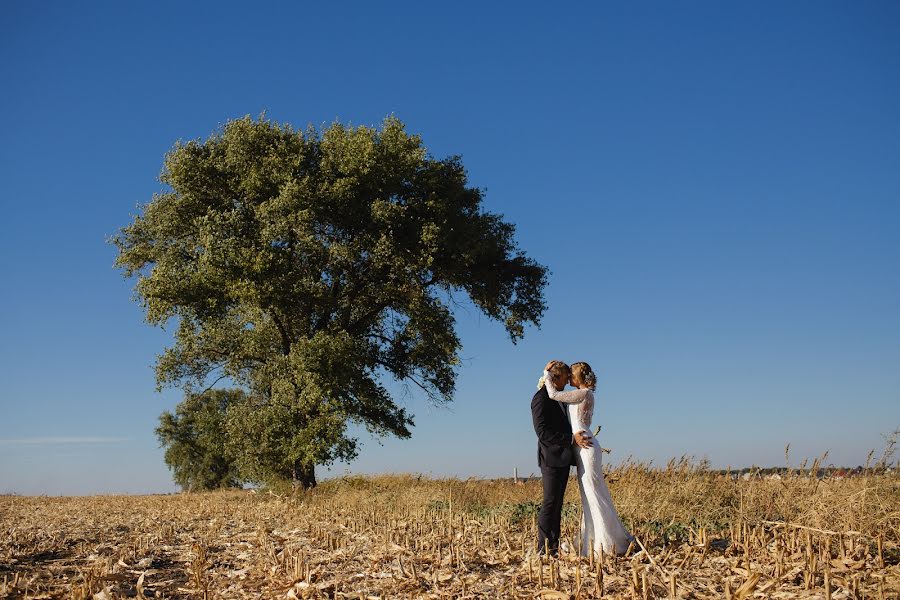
<point x="553" y="431"/>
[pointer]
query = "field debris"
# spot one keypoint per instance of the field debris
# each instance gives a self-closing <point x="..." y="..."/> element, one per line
<point x="701" y="535"/>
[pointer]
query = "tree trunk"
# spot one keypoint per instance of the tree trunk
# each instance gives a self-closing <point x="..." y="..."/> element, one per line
<point x="304" y="475"/>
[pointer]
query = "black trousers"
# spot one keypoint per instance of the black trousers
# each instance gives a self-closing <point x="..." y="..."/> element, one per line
<point x="550" y="517"/>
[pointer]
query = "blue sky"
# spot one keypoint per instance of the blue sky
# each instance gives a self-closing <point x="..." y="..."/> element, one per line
<point x="715" y="187"/>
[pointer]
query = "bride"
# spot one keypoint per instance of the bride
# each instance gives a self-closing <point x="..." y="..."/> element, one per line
<point x="600" y="521"/>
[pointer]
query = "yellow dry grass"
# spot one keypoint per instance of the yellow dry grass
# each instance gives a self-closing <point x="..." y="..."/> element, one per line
<point x="703" y="536"/>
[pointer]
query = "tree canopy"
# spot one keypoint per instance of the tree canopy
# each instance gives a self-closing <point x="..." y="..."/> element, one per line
<point x="307" y="265"/>
<point x="196" y="451"/>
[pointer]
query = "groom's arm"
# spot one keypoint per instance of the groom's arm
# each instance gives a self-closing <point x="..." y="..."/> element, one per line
<point x="547" y="435"/>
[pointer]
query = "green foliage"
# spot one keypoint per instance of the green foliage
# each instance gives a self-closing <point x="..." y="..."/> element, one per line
<point x="194" y="438"/>
<point x="516" y="512"/>
<point x="305" y="266"/>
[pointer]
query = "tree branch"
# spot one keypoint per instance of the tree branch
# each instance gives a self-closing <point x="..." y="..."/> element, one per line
<point x="428" y="391"/>
<point x="210" y="386"/>
<point x="364" y="319"/>
<point x="285" y="340"/>
<point x="334" y="292"/>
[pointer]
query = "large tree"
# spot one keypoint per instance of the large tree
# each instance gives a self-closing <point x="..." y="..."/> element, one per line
<point x="307" y="265"/>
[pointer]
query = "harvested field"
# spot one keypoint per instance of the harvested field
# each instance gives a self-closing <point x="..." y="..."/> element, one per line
<point x="704" y="536"/>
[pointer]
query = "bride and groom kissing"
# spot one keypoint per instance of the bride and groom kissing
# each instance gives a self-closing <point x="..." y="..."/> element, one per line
<point x="562" y="422"/>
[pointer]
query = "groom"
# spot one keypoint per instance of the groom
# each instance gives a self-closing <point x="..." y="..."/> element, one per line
<point x="556" y="454"/>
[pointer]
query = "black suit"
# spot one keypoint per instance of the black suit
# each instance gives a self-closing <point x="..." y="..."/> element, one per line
<point x="556" y="454"/>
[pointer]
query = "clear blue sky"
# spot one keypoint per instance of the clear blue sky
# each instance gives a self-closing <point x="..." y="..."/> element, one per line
<point x="715" y="186"/>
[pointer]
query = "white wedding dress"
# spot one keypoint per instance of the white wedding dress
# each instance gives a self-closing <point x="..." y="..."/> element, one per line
<point x="600" y="522"/>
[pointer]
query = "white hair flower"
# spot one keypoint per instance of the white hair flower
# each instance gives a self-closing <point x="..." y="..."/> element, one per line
<point x="540" y="382"/>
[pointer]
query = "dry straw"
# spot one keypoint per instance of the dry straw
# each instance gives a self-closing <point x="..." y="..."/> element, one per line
<point x="702" y="534"/>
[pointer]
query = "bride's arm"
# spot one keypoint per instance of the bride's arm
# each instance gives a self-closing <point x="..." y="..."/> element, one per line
<point x="586" y="412"/>
<point x="572" y="397"/>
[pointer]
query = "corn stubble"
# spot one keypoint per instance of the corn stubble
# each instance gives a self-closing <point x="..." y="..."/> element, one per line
<point x="700" y="535"/>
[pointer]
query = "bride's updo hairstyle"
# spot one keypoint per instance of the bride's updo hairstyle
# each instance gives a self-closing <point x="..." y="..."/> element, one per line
<point x="582" y="373"/>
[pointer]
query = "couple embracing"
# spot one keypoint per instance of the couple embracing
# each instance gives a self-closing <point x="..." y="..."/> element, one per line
<point x="562" y="422"/>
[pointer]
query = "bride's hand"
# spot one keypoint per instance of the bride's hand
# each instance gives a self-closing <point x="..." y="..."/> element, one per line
<point x="548" y="381"/>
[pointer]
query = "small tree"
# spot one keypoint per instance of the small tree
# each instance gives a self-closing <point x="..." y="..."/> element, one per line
<point x="307" y="265"/>
<point x="194" y="439"/>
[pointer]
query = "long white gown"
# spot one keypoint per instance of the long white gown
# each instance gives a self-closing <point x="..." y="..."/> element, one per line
<point x="600" y="522"/>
